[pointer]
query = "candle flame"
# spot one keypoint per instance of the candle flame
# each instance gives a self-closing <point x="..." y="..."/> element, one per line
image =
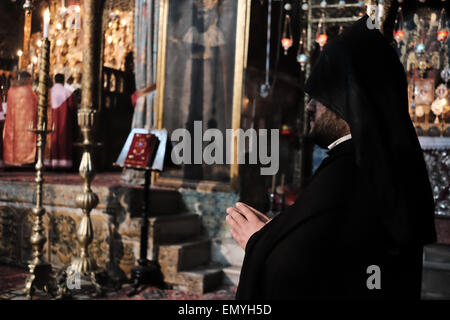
<point x="47" y="16"/>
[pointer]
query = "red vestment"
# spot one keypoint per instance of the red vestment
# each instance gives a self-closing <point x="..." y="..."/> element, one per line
<point x="19" y="144"/>
<point x="63" y="106"/>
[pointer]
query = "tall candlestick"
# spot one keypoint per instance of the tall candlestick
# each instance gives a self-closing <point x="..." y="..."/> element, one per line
<point x="40" y="271"/>
<point x="84" y="264"/>
<point x="46" y="22"/>
<point x="273" y="183"/>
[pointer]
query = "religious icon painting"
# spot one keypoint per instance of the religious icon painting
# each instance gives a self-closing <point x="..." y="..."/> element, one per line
<point x="200" y="55"/>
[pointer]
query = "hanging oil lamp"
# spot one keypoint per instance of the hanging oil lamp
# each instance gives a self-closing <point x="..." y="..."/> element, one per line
<point x="442" y="33"/>
<point x="399" y="34"/>
<point x="321" y="35"/>
<point x="322" y="40"/>
<point x="302" y="57"/>
<point x="305" y="5"/>
<point x="287" y="40"/>
<point x="419" y="49"/>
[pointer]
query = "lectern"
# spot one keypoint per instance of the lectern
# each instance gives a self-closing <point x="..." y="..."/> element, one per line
<point x="144" y="150"/>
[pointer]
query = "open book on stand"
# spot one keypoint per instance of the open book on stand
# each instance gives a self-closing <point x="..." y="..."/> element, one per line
<point x="144" y="149"/>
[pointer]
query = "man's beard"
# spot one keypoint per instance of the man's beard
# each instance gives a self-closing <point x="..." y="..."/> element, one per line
<point x="327" y="129"/>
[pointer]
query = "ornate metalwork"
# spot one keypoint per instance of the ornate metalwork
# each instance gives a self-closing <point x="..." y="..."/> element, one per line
<point x="40" y="275"/>
<point x="24" y="60"/>
<point x="84" y="264"/>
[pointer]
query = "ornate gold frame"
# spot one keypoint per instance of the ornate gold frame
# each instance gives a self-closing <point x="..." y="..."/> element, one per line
<point x="241" y="50"/>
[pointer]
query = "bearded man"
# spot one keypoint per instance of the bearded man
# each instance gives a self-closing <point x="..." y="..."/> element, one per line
<point x="357" y="230"/>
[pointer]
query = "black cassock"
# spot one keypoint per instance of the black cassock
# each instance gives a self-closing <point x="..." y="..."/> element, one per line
<point x="320" y="248"/>
<point x="368" y="206"/>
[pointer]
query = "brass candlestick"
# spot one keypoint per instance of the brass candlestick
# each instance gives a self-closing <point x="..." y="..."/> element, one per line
<point x="40" y="272"/>
<point x="84" y="265"/>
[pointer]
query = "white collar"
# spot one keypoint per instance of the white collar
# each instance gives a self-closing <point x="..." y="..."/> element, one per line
<point x="340" y="140"/>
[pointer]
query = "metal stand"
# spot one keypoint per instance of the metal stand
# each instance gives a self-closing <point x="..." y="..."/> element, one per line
<point x="84" y="265"/>
<point x="40" y="272"/>
<point x="146" y="272"/>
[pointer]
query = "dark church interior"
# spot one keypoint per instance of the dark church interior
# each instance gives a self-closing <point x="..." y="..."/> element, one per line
<point x="107" y="81"/>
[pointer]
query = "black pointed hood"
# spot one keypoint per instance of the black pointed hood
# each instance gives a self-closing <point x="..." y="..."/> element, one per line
<point x="359" y="76"/>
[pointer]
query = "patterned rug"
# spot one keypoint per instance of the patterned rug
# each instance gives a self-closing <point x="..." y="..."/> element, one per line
<point x="12" y="280"/>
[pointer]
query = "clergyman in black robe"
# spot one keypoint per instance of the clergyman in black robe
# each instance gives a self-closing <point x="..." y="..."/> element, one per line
<point x="357" y="230"/>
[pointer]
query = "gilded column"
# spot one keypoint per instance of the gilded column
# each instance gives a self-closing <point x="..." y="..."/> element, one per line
<point x="24" y="60"/>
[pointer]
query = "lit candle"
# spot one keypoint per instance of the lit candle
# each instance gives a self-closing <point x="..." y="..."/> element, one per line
<point x="46" y="22"/>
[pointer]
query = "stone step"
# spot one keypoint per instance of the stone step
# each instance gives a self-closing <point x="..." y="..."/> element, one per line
<point x="437" y="253"/>
<point x="175" y="228"/>
<point x="231" y="275"/>
<point x="436" y="272"/>
<point x="175" y="258"/>
<point x="199" y="280"/>
<point x="435" y="283"/>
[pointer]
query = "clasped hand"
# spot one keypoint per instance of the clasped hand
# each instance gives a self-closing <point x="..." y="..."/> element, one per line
<point x="244" y="222"/>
